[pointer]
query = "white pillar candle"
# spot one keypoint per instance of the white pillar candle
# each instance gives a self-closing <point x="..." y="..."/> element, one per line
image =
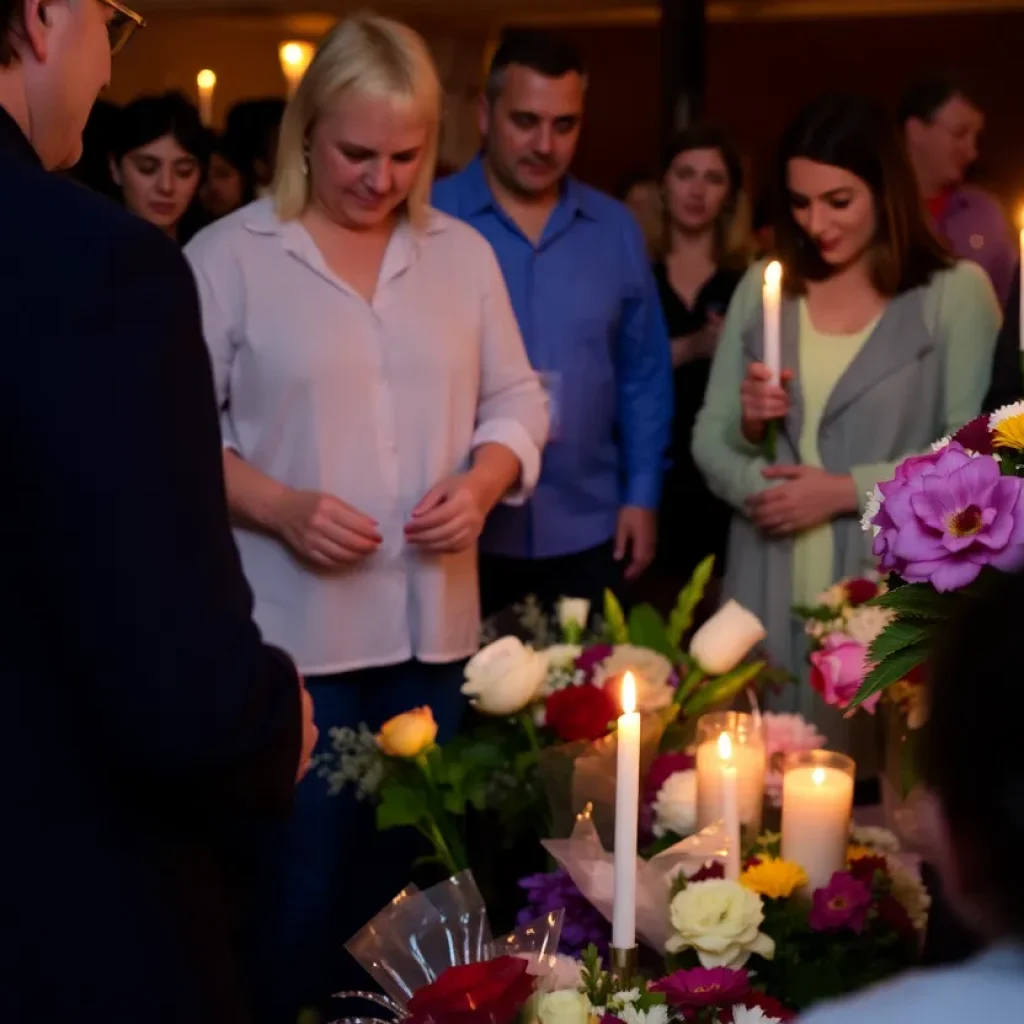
<point x="771" y="300"/>
<point x="748" y="764"/>
<point x="817" y="801"/>
<point x="206" y="82"/>
<point x="627" y="808"/>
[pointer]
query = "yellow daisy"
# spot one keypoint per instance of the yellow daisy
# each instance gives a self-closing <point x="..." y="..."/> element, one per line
<point x="774" y="878"/>
<point x="1007" y="426"/>
<point x="859" y="853"/>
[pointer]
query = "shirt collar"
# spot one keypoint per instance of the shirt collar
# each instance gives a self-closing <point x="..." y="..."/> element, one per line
<point x="12" y="139"/>
<point x="478" y="197"/>
<point x="261" y="219"/>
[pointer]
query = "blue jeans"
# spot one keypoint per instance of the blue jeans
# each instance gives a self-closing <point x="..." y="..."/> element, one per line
<point x="323" y="873"/>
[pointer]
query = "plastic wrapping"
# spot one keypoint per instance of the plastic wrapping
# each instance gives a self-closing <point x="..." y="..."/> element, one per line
<point x="592" y="869"/>
<point x="421" y="934"/>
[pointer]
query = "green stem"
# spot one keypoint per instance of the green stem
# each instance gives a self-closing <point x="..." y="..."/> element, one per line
<point x="449" y="847"/>
<point x="689" y="685"/>
<point x="771" y="440"/>
<point x="530" y="728"/>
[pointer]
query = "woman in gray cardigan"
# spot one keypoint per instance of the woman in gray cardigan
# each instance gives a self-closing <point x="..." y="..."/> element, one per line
<point x="886" y="346"/>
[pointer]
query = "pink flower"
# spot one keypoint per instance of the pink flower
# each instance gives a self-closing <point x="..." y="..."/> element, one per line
<point x="785" y="734"/>
<point x="839" y="668"/>
<point x="948" y="515"/>
<point x="843" y="903"/>
<point x="717" y="986"/>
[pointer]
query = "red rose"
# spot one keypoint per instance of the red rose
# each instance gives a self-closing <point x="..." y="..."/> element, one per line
<point x="865" y="868"/>
<point x="859" y="592"/>
<point x="492" y="992"/>
<point x="581" y="713"/>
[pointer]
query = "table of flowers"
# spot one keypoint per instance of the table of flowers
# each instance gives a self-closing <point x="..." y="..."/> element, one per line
<point x="702" y="862"/>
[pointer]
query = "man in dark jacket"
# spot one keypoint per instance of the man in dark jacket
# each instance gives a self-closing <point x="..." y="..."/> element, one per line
<point x="141" y="711"/>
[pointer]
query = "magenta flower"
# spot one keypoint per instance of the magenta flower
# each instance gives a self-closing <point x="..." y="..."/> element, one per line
<point x="976" y="436"/>
<point x="592" y="657"/>
<point x="948" y="515"/>
<point x="839" y="668"/>
<point x="843" y="903"/>
<point x="717" y="986"/>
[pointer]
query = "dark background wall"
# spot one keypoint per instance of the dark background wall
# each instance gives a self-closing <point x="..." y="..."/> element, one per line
<point x="761" y="72"/>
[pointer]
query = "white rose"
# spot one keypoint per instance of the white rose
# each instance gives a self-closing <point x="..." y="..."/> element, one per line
<point x="573" y="611"/>
<point x="726" y="638"/>
<point x="504" y="677"/>
<point x="720" y="920"/>
<point x="564" y="1007"/>
<point x="651" y="672"/>
<point x="675" y="808"/>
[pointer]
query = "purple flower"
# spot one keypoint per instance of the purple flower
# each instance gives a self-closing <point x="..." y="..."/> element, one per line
<point x="583" y="924"/>
<point x="947" y="515"/>
<point x="592" y="657"/>
<point x="843" y="903"/>
<point x="717" y="986"/>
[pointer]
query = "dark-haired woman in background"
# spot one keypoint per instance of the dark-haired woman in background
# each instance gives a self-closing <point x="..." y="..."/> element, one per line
<point x="886" y="346"/>
<point x="159" y="157"/>
<point x="229" y="184"/>
<point x="707" y="247"/>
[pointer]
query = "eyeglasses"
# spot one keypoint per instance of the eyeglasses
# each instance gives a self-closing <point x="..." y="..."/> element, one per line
<point x="122" y="25"/>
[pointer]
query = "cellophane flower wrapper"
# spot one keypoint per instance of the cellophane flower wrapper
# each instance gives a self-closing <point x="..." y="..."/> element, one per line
<point x="420" y="934"/>
<point x="577" y="774"/>
<point x="592" y="868"/>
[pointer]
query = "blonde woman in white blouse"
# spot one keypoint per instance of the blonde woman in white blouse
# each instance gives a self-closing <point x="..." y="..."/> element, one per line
<point x="377" y="403"/>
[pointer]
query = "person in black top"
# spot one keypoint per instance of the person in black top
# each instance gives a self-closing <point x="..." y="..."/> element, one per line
<point x="708" y="245"/>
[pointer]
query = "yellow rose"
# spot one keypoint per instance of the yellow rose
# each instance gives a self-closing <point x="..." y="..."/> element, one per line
<point x="564" y="1007"/>
<point x="408" y="734"/>
<point x="720" y="921"/>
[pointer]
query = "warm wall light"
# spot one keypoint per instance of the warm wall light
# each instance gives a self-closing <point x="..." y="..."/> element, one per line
<point x="206" y="81"/>
<point x="295" y="57"/>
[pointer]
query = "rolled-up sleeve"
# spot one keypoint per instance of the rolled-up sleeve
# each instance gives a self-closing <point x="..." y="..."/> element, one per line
<point x="645" y="388"/>
<point x="217" y="280"/>
<point x="513" y="408"/>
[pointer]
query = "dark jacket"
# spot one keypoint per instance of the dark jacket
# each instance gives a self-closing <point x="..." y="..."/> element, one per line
<point x="141" y="710"/>
<point x="1007" y="385"/>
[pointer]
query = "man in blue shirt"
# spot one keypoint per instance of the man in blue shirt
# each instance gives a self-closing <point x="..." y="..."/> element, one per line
<point x="576" y="267"/>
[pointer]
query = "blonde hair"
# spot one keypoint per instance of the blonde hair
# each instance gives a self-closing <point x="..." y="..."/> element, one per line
<point x="364" y="55"/>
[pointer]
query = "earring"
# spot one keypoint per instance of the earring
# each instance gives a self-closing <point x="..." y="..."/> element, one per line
<point x="305" y="162"/>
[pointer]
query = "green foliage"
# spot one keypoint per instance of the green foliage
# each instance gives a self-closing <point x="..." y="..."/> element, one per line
<point x="815" y="613"/>
<point x="647" y="629"/>
<point x="899" y="635"/>
<point x="616" y="630"/>
<point x="918" y="601"/>
<point x="681" y="618"/>
<point x="721" y="690"/>
<point x="892" y="670"/>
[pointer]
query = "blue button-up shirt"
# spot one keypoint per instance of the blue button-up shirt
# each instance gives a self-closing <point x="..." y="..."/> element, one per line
<point x="588" y="309"/>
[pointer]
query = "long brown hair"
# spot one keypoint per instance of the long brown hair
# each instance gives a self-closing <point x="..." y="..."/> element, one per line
<point x="734" y="239"/>
<point x="855" y="133"/>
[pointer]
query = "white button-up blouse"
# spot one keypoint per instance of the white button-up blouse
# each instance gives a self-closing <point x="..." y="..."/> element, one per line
<point x="374" y="403"/>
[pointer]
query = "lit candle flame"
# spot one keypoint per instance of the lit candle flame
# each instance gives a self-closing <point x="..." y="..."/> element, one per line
<point x="773" y="275"/>
<point x="628" y="694"/>
<point x="725" y="747"/>
<point x="818" y="776"/>
<point x="206" y="79"/>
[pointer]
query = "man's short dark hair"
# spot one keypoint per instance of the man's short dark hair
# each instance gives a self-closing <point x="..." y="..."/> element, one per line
<point x="10" y="21"/>
<point x="972" y="740"/>
<point x="546" y="53"/>
<point x="928" y="95"/>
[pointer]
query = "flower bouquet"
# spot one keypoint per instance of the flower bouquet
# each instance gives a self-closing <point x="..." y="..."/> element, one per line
<point x="939" y="525"/>
<point x="767" y="932"/>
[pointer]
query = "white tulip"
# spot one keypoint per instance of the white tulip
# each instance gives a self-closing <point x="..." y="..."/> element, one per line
<point x="726" y="638"/>
<point x="573" y="610"/>
<point x="504" y="677"/>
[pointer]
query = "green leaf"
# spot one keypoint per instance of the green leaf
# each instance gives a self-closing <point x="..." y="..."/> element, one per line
<point x="898" y="635"/>
<point x="890" y="671"/>
<point x="722" y="690"/>
<point x="615" y="620"/>
<point x="400" y="806"/>
<point x="918" y="601"/>
<point x="647" y="629"/>
<point x="681" y="619"/>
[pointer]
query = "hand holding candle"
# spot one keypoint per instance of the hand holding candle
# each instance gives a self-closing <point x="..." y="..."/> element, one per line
<point x="627" y="809"/>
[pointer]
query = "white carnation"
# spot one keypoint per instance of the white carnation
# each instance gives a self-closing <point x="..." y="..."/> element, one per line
<point x="943" y="442"/>
<point x="675" y="808"/>
<point x="871" y="508"/>
<point x="655" y="1015"/>
<point x="1007" y="412"/>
